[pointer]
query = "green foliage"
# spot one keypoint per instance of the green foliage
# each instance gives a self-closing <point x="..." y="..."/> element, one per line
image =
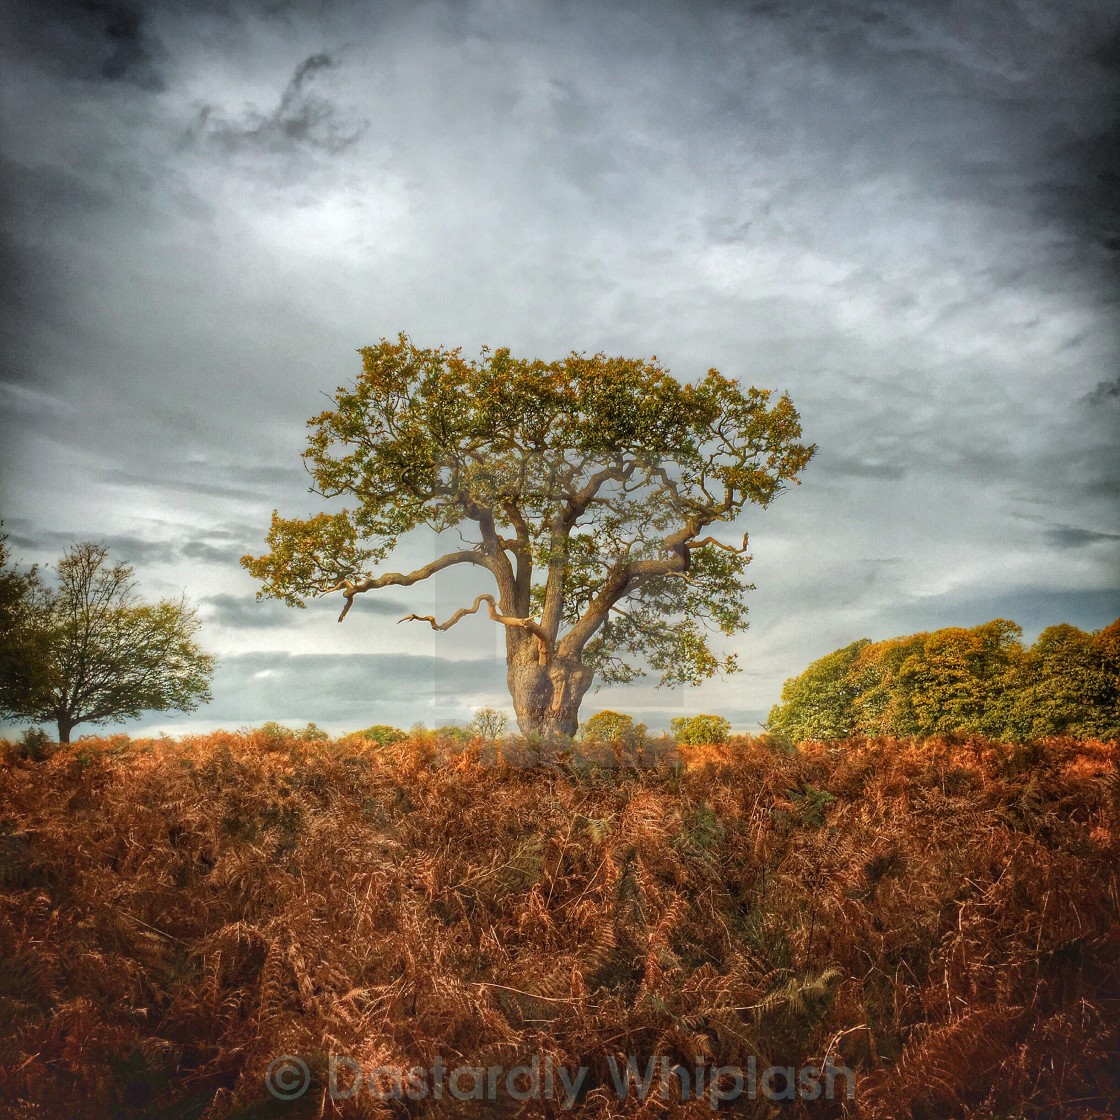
<point x="92" y="652"/>
<point x="383" y="734"/>
<point x="702" y="829"/>
<point x="312" y="733"/>
<point x="974" y="681"/>
<point x="954" y="682"/>
<point x="274" y="730"/>
<point x="700" y="729"/>
<point x="35" y="744"/>
<point x="819" y="703"/>
<point x="24" y="652"/>
<point x="455" y="732"/>
<point x="810" y="805"/>
<point x="1068" y="684"/>
<point x="612" y="727"/>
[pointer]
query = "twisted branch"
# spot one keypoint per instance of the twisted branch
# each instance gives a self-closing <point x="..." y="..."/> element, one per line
<point x="544" y="644"/>
<point x="719" y="544"/>
<point x="350" y="588"/>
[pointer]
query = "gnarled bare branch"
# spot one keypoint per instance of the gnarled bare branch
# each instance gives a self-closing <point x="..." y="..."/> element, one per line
<point x="350" y="588"/>
<point x="719" y="544"/>
<point x="527" y="624"/>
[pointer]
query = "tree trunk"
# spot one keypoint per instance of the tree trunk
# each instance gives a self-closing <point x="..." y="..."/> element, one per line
<point x="65" y="726"/>
<point x="546" y="698"/>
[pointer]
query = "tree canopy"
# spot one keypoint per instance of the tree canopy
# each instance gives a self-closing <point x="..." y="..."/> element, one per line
<point x="979" y="680"/>
<point x="23" y="652"/>
<point x="586" y="486"/>
<point x="90" y="651"/>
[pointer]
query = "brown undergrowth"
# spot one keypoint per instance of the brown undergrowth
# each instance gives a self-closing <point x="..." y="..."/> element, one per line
<point x="939" y="916"/>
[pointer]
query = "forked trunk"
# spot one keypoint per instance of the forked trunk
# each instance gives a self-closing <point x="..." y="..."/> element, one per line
<point x="546" y="698"/>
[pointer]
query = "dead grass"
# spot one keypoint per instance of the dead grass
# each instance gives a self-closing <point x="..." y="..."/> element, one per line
<point x="940" y="916"/>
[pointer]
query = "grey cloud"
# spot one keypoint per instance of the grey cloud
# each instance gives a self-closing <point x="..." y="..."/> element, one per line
<point x="182" y="543"/>
<point x="214" y="479"/>
<point x="855" y="467"/>
<point x="245" y="612"/>
<point x="122" y="547"/>
<point x="205" y="552"/>
<point x="1068" y="536"/>
<point x="1033" y="608"/>
<point x="1106" y="392"/>
<point x="361" y="689"/>
<point x="302" y="118"/>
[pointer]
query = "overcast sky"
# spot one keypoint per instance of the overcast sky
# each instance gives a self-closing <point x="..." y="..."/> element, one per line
<point x="905" y="214"/>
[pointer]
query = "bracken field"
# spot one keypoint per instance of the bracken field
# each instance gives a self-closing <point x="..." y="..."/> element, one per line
<point x="942" y="917"/>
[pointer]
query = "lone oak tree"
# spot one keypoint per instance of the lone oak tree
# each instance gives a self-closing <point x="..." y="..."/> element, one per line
<point x="586" y="485"/>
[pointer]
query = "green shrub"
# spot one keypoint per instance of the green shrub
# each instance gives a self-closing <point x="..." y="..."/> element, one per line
<point x="454" y="732"/>
<point x="612" y="727"/>
<point x="274" y="730"/>
<point x="35" y="744"/>
<point x="700" y="729"/>
<point x="383" y="734"/>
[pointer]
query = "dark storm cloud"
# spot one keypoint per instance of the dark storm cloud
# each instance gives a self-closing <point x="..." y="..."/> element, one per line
<point x="1105" y="393"/>
<point x="302" y="118"/>
<point x="1009" y="59"/>
<point x="34" y="294"/>
<point x="1068" y="536"/>
<point x="91" y="40"/>
<point x="1095" y="199"/>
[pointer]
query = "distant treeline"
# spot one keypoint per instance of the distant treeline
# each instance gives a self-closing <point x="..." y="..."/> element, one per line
<point x="982" y="680"/>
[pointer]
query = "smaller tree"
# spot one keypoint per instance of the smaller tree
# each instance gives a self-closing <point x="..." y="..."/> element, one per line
<point x="696" y="730"/>
<point x="612" y="727"/>
<point x="489" y="723"/>
<point x="93" y="652"/>
<point x="23" y="652"/>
